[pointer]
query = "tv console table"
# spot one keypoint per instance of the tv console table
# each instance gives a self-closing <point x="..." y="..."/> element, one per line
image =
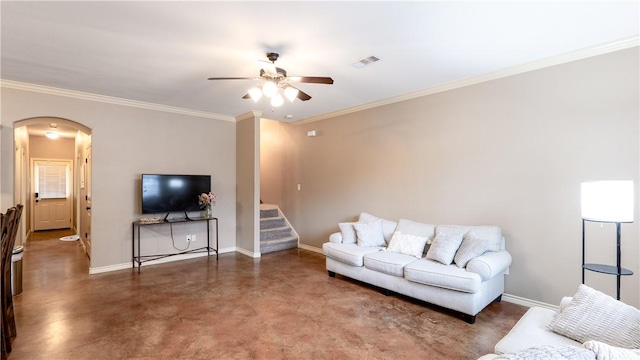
<point x="139" y="258"/>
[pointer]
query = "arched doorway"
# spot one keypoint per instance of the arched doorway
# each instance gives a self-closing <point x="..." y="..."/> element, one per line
<point x="41" y="144"/>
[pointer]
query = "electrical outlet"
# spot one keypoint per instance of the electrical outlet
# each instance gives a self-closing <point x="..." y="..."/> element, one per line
<point x="193" y="237"/>
<point x="188" y="238"/>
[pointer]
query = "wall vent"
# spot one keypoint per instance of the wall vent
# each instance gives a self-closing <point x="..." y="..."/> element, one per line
<point x="364" y="62"/>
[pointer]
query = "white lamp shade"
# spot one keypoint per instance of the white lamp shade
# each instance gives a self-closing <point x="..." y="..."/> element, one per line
<point x="255" y="94"/>
<point x="608" y="201"/>
<point x="277" y="100"/>
<point x="269" y="88"/>
<point x="291" y="93"/>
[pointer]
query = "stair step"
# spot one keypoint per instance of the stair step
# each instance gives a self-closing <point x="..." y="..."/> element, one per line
<point x="274" y="245"/>
<point x="275" y="233"/>
<point x="268" y="213"/>
<point x="273" y="222"/>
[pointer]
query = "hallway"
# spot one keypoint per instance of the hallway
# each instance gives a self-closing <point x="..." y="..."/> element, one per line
<point x="282" y="306"/>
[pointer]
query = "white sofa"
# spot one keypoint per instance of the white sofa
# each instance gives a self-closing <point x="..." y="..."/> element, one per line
<point x="606" y="328"/>
<point x="466" y="290"/>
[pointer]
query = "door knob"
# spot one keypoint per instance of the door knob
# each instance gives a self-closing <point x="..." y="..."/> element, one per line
<point x="88" y="208"/>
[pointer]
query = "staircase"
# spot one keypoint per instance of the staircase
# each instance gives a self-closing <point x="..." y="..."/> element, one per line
<point x="275" y="232"/>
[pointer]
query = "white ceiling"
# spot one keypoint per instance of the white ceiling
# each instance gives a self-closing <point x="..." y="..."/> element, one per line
<point x="163" y="52"/>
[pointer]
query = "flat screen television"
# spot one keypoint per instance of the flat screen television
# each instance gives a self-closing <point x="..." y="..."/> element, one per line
<point x="172" y="193"/>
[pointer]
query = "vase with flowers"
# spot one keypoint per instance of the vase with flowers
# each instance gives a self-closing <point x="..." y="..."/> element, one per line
<point x="206" y="200"/>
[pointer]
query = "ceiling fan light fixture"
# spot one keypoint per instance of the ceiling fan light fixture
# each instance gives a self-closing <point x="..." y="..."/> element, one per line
<point x="291" y="93"/>
<point x="269" y="89"/>
<point x="255" y="93"/>
<point x="277" y="100"/>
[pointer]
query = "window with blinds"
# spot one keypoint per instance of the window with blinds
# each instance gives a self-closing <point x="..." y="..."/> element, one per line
<point x="51" y="181"/>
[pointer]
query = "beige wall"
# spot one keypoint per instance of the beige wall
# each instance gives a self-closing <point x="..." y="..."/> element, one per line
<point x="248" y="184"/>
<point x="42" y="147"/>
<point x="126" y="142"/>
<point x="510" y="152"/>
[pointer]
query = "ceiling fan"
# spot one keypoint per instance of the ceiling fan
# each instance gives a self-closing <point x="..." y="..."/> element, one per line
<point x="273" y="79"/>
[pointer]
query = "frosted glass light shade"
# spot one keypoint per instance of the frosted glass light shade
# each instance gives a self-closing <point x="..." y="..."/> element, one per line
<point x="608" y="201"/>
<point x="255" y="94"/>
<point x="291" y="93"/>
<point x="52" y="135"/>
<point x="269" y="89"/>
<point x="277" y="100"/>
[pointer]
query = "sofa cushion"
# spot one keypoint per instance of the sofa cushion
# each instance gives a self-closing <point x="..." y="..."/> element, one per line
<point x="370" y="233"/>
<point x="351" y="254"/>
<point x="592" y="315"/>
<point x="492" y="233"/>
<point x="407" y="244"/>
<point x="444" y="247"/>
<point x="348" y="232"/>
<point x="388" y="226"/>
<point x="433" y="273"/>
<point x="388" y="262"/>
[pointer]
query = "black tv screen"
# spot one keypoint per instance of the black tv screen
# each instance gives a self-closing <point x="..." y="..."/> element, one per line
<point x="172" y="193"/>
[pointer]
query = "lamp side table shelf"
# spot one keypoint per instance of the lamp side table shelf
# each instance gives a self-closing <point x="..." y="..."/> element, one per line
<point x="616" y="270"/>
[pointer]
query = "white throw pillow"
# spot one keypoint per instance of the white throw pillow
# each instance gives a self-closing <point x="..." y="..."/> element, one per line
<point x="388" y="226"/>
<point x="471" y="247"/>
<point x="607" y="352"/>
<point x="444" y="247"/>
<point x="348" y="232"/>
<point x="592" y="315"/>
<point x="370" y="233"/>
<point x="417" y="228"/>
<point x="407" y="244"/>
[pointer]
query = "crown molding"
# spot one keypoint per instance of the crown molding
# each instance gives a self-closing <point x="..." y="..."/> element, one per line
<point x="622" y="44"/>
<point x="9" y="84"/>
<point x="249" y="115"/>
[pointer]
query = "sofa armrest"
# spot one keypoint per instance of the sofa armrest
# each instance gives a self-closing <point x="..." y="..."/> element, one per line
<point x="336" y="238"/>
<point x="490" y="264"/>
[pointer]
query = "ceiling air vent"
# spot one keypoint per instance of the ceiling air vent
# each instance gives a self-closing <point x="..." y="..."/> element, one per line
<point x="364" y="62"/>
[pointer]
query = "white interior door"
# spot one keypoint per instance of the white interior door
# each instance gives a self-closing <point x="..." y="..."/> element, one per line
<point x="52" y="194"/>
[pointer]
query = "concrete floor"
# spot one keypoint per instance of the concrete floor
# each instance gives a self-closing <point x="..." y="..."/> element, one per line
<point x="282" y="306"/>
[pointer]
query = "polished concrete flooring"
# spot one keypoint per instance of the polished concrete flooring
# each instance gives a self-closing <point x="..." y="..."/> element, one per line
<point x="282" y="306"/>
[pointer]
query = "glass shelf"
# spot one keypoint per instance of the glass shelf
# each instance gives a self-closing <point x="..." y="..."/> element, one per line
<point x="607" y="269"/>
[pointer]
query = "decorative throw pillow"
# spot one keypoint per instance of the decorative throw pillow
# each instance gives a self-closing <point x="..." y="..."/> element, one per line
<point x="592" y="315"/>
<point x="370" y="233"/>
<point x="444" y="247"/>
<point x="407" y="244"/>
<point x="606" y="351"/>
<point x="388" y="226"/>
<point x="470" y="248"/>
<point x="348" y="232"/>
<point x="558" y="352"/>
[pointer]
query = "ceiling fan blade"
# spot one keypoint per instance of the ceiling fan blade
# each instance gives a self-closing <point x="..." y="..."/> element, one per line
<point x="311" y="79"/>
<point x="235" y="78"/>
<point x="303" y="96"/>
<point x="268" y="67"/>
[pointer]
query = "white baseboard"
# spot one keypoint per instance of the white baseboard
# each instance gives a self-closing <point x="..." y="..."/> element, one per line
<point x="248" y="253"/>
<point x="128" y="265"/>
<point x="527" y="302"/>
<point x="310" y="248"/>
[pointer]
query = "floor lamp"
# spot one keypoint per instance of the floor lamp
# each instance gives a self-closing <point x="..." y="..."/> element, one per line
<point x="607" y="202"/>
